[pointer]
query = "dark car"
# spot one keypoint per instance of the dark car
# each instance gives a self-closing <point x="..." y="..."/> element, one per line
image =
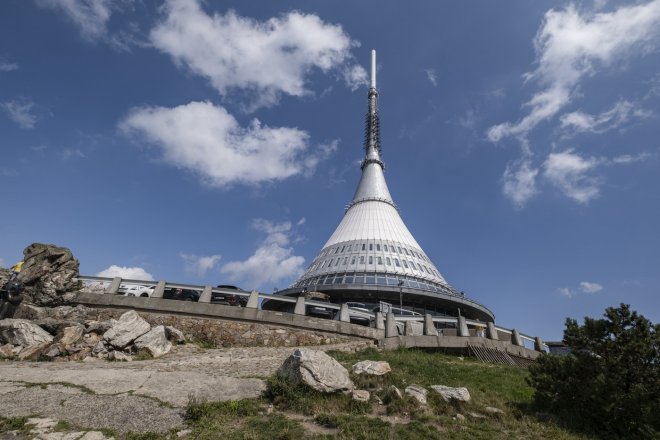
<point x="318" y="311"/>
<point x="229" y="299"/>
<point x="182" y="294"/>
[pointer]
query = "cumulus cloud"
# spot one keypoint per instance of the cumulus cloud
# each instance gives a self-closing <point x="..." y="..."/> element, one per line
<point x="20" y="111"/>
<point x="622" y="112"/>
<point x="268" y="58"/>
<point x="571" y="46"/>
<point x="128" y="273"/>
<point x="207" y="140"/>
<point x="272" y="262"/>
<point x="199" y="266"/>
<point x="7" y="66"/>
<point x="519" y="181"/>
<point x="588" y="287"/>
<point x="91" y="16"/>
<point x="568" y="171"/>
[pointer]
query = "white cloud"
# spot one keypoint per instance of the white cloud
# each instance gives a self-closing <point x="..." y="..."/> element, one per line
<point x="567" y="292"/>
<point x="7" y="66"/>
<point x="20" y="111"/>
<point x="622" y="112"/>
<point x="519" y="181"/>
<point x="432" y="77"/>
<point x="207" y="140"/>
<point x="199" y="266"/>
<point x="588" y="287"/>
<point x="91" y="16"/>
<point x="70" y="153"/>
<point x="571" y="46"/>
<point x="568" y="171"/>
<point x="128" y="273"/>
<point x="272" y="262"/>
<point x="628" y="158"/>
<point x="268" y="58"/>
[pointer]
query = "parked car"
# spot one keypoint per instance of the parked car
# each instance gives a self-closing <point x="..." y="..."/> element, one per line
<point x="182" y="294"/>
<point x="229" y="299"/>
<point x="318" y="311"/>
<point x="359" y="313"/>
<point x="136" y="290"/>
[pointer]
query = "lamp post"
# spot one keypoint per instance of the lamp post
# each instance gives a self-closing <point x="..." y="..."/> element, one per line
<point x="401" y="297"/>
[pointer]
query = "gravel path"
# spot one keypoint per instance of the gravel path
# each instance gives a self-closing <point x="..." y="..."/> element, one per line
<point x="139" y="396"/>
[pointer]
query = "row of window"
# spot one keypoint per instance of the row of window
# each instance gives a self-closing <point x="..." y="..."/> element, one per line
<point x="370" y="259"/>
<point x="363" y="246"/>
<point x="376" y="278"/>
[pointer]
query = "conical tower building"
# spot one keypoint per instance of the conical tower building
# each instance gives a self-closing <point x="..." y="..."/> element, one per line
<point x="372" y="258"/>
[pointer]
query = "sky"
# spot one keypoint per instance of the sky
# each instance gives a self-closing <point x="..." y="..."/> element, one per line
<point x="210" y="142"/>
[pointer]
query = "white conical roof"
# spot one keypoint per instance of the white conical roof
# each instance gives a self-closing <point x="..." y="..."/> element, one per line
<point x="372" y="238"/>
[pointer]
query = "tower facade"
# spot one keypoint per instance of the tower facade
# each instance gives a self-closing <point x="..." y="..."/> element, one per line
<point x="372" y="257"/>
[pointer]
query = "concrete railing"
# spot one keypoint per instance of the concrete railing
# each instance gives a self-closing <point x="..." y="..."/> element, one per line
<point x="391" y="324"/>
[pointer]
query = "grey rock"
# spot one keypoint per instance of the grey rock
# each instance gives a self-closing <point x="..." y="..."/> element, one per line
<point x="22" y="332"/>
<point x="460" y="394"/>
<point x="52" y="351"/>
<point x="392" y="393"/>
<point x="417" y="392"/>
<point x="475" y="415"/>
<point x="71" y="335"/>
<point x="493" y="410"/>
<point x="372" y="368"/>
<point x="33" y="352"/>
<point x="460" y="417"/>
<point x="361" y="395"/>
<point x="129" y="327"/>
<point x="49" y="274"/>
<point x="175" y="335"/>
<point x="100" y="347"/>
<point x="99" y="327"/>
<point x="116" y="355"/>
<point x="155" y="342"/>
<point x="6" y="351"/>
<point x="317" y="370"/>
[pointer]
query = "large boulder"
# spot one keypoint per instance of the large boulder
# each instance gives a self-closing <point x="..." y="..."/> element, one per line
<point x="49" y="274"/>
<point x="23" y="333"/>
<point x="372" y="368"/>
<point x="128" y="328"/>
<point x="460" y="394"/>
<point x="417" y="392"/>
<point x="155" y="342"/>
<point x="317" y="370"/>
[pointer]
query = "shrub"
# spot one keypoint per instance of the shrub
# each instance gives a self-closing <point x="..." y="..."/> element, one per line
<point x="610" y="384"/>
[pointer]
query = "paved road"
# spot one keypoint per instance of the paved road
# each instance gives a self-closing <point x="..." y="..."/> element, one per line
<point x="140" y="395"/>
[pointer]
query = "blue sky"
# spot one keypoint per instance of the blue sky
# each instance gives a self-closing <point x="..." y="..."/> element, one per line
<point x="218" y="142"/>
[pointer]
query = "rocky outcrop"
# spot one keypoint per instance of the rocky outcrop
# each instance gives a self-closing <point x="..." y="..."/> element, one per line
<point x="154" y="342"/>
<point x="128" y="328"/>
<point x="448" y="393"/>
<point x="417" y="392"/>
<point x="317" y="370"/>
<point x="49" y="274"/>
<point x="371" y="368"/>
<point x="361" y="395"/>
<point x="22" y="332"/>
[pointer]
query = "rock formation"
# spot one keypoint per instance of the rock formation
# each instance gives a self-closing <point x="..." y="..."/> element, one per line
<point x="317" y="370"/>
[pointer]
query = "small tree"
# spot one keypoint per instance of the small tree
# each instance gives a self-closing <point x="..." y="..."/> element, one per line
<point x="610" y="384"/>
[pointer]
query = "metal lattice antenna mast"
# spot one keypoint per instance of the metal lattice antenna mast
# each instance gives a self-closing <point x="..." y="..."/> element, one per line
<point x="372" y="125"/>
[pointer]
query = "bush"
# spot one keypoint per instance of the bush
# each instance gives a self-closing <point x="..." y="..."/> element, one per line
<point x="610" y="384"/>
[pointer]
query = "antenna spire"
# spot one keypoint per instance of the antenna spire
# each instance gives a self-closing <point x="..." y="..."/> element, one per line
<point x="373" y="68"/>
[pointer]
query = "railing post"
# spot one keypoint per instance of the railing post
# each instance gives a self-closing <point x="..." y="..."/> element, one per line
<point x="253" y="300"/>
<point x="538" y="344"/>
<point x="159" y="290"/>
<point x="380" y="321"/>
<point x="390" y="326"/>
<point x="206" y="295"/>
<point x="462" y="328"/>
<point x="429" y="327"/>
<point x="113" y="287"/>
<point x="516" y="339"/>
<point x="491" y="331"/>
<point x="300" y="306"/>
<point x="343" y="313"/>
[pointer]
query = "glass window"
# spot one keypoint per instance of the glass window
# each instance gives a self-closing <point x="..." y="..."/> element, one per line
<point x="380" y="260"/>
<point x="330" y="262"/>
<point x="392" y="281"/>
<point x="364" y="247"/>
<point x="412" y="283"/>
<point x="406" y="251"/>
<point x="385" y="248"/>
<point x="378" y="247"/>
<point x="352" y="260"/>
<point x="329" y="279"/>
<point x="396" y="262"/>
<point x="339" y="279"/>
<point x="404" y="264"/>
<point x="371" y="247"/>
<point x="323" y="265"/>
<point x="362" y="259"/>
<point x="337" y="262"/>
<point x="370" y="279"/>
<point x="400" y="250"/>
<point x="359" y="278"/>
<point x="348" y="279"/>
<point x="371" y="259"/>
<point x="342" y="248"/>
<point x="412" y="265"/>
<point x="345" y="261"/>
<point x="337" y="250"/>
<point x="388" y="261"/>
<point x="381" y="280"/>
